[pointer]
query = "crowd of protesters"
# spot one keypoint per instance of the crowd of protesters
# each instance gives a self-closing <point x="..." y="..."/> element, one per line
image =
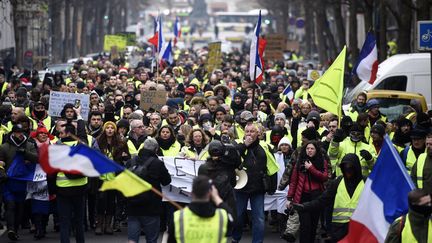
<point x="320" y="150"/>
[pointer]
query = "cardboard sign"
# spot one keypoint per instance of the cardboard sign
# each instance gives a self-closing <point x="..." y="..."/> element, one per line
<point x="314" y="75"/>
<point x="59" y="99"/>
<point x="115" y="40"/>
<point x="275" y="46"/>
<point x="214" y="60"/>
<point x="153" y="99"/>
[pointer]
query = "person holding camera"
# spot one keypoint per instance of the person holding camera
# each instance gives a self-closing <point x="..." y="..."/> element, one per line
<point x="220" y="167"/>
<point x="206" y="219"/>
<point x="307" y="183"/>
<point x="14" y="190"/>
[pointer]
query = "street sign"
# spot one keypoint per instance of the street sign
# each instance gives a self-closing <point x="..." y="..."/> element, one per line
<point x="424" y="35"/>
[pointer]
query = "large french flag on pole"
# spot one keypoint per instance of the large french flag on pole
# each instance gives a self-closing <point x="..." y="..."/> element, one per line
<point x="177" y="30"/>
<point x="383" y="200"/>
<point x="367" y="65"/>
<point x="255" y="58"/>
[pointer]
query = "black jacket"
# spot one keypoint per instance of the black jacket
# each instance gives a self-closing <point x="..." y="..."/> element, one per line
<point x="255" y="162"/>
<point x="148" y="203"/>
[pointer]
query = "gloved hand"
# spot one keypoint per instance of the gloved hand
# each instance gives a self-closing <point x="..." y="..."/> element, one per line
<point x="338" y="136"/>
<point x="298" y="207"/>
<point x="365" y="155"/>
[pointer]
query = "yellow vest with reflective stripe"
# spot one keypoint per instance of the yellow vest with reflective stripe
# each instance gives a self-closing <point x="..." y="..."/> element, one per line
<point x="190" y="227"/>
<point x="407" y="235"/>
<point x="63" y="181"/>
<point x="410" y="159"/>
<point x="132" y="149"/>
<point x="272" y="165"/>
<point x="108" y="176"/>
<point x="46" y="122"/>
<point x="420" y="166"/>
<point x="344" y="205"/>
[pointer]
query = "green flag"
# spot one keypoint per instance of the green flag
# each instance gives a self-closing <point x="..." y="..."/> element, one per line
<point x="327" y="91"/>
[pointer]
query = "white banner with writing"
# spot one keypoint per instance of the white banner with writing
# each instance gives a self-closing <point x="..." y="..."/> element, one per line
<point x="183" y="171"/>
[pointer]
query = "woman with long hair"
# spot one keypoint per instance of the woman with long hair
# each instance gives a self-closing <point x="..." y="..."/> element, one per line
<point x="168" y="144"/>
<point x="306" y="184"/>
<point x="196" y="145"/>
<point x="111" y="145"/>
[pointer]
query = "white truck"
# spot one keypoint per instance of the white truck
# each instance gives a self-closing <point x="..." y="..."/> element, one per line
<point x="402" y="72"/>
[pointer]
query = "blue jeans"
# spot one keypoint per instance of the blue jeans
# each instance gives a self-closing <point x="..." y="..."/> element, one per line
<point x="257" y="206"/>
<point x="67" y="207"/>
<point x="149" y="224"/>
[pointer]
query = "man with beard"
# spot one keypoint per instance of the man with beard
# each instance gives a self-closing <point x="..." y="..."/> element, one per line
<point x="39" y="117"/>
<point x="401" y="137"/>
<point x="374" y="112"/>
<point x="357" y="106"/>
<point x="411" y="153"/>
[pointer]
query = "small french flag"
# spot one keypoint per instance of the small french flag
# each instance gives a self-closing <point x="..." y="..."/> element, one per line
<point x="157" y="39"/>
<point x="288" y="92"/>
<point x="166" y="53"/>
<point x="367" y="65"/>
<point x="177" y="30"/>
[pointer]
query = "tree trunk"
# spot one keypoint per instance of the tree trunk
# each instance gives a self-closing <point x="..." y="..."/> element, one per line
<point x="353" y="31"/>
<point x="125" y="15"/>
<point x="382" y="41"/>
<point x="111" y="6"/>
<point x="67" y="29"/>
<point x="56" y="40"/>
<point x="404" y="32"/>
<point x="331" y="44"/>
<point x="368" y="14"/>
<point x="19" y="39"/>
<point x="340" y="29"/>
<point x="423" y="9"/>
<point x="320" y="21"/>
<point x="76" y="9"/>
<point x="309" y="29"/>
<point x="100" y="24"/>
<point x="86" y="17"/>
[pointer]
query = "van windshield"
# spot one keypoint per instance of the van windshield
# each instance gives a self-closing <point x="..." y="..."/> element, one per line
<point x="393" y="83"/>
<point x="393" y="108"/>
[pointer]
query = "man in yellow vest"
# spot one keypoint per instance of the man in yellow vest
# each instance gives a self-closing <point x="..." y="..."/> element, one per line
<point x="71" y="188"/>
<point x="343" y="193"/>
<point x="416" y="226"/>
<point x="206" y="219"/>
<point x="421" y="172"/>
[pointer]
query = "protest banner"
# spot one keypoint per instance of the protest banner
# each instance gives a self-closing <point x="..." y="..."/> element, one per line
<point x="59" y="99"/>
<point x="115" y="40"/>
<point x="183" y="171"/>
<point x="152" y="99"/>
<point x="214" y="60"/>
<point x="275" y="47"/>
<point x="314" y="75"/>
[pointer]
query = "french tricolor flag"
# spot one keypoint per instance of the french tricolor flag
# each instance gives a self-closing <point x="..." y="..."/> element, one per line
<point x="288" y="92"/>
<point x="165" y="55"/>
<point x="367" y="65"/>
<point x="177" y="30"/>
<point x="157" y="39"/>
<point x="383" y="200"/>
<point x="255" y="57"/>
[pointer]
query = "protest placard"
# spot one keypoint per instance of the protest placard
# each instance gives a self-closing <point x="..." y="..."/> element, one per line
<point x="59" y="99"/>
<point x="275" y="47"/>
<point x="152" y="99"/>
<point x="115" y="40"/>
<point x="214" y="60"/>
<point x="314" y="75"/>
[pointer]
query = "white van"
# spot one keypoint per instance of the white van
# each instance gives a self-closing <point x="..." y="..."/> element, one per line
<point x="403" y="72"/>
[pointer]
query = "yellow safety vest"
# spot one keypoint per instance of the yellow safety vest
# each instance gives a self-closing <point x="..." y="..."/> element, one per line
<point x="189" y="227"/>
<point x="172" y="151"/>
<point x="268" y="134"/>
<point x="132" y="149"/>
<point x="408" y="236"/>
<point x="63" y="181"/>
<point x="110" y="175"/>
<point x="420" y="166"/>
<point x="190" y="153"/>
<point x="410" y="159"/>
<point x="46" y="122"/>
<point x="344" y="205"/>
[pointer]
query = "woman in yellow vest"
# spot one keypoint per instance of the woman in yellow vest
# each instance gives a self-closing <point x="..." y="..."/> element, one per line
<point x="343" y="193"/>
<point x="168" y="145"/>
<point x="196" y="147"/>
<point x="111" y="145"/>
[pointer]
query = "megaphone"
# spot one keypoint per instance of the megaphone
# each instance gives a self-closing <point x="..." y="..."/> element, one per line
<point x="241" y="179"/>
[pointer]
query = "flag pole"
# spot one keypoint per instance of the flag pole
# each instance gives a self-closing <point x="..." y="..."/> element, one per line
<point x="253" y="88"/>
